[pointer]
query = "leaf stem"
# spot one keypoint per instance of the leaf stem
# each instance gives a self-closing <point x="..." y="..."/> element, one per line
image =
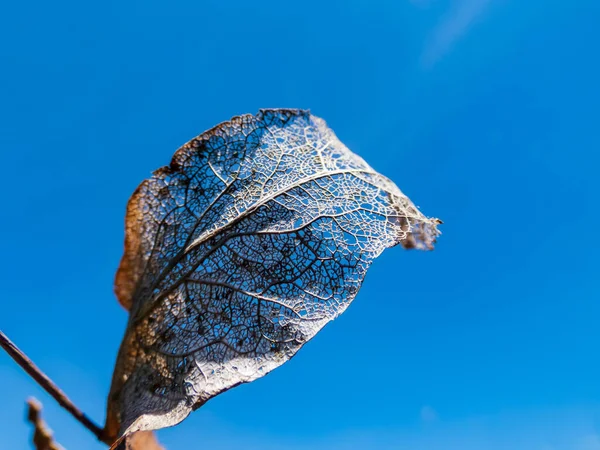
<point x="48" y="385"/>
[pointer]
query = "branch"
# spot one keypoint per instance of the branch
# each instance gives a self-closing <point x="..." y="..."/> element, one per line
<point x="43" y="436"/>
<point x="48" y="385"/>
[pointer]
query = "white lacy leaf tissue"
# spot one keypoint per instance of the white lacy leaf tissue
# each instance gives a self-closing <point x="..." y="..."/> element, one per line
<point x="258" y="233"/>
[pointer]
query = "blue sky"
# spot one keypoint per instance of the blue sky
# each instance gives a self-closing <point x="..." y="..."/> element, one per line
<point x="485" y="112"/>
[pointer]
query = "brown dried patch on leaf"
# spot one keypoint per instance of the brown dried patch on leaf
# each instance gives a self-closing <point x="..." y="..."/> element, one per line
<point x="43" y="438"/>
<point x="131" y="266"/>
<point x="257" y="235"/>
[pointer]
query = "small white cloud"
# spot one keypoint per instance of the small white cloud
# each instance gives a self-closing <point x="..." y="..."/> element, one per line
<point x="428" y="414"/>
<point x="452" y="27"/>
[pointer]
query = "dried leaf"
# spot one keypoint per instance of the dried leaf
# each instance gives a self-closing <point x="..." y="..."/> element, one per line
<point x="259" y="233"/>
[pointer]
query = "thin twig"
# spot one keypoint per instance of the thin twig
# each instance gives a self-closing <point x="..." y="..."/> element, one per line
<point x="42" y="434"/>
<point x="48" y="385"/>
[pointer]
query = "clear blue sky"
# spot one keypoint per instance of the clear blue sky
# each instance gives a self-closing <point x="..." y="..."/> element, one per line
<point x="485" y="112"/>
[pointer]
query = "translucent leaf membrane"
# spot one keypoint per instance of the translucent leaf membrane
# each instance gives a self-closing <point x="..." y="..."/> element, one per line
<point x="259" y="232"/>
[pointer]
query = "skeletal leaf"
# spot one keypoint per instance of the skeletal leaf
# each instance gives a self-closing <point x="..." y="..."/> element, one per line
<point x="258" y="233"/>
